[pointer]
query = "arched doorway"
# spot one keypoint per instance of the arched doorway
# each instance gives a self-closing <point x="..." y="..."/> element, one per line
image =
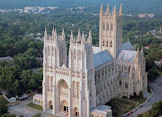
<point x="76" y="112"/>
<point x="63" y="93"/>
<point x="64" y="106"/>
<point x="50" y="105"/>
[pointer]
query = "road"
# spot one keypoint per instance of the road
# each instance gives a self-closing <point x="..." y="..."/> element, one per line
<point x="23" y="109"/>
<point x="156" y="97"/>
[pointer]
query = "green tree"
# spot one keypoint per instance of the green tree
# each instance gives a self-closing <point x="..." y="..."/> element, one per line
<point x="3" y="105"/>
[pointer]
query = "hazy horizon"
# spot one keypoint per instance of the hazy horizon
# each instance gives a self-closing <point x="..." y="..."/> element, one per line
<point x="139" y="6"/>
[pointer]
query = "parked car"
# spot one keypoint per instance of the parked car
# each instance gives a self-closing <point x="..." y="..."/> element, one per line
<point x="12" y="99"/>
<point x="23" y="97"/>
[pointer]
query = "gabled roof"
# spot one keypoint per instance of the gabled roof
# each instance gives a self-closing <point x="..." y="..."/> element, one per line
<point x="125" y="46"/>
<point x="127" y="55"/>
<point x="101" y="58"/>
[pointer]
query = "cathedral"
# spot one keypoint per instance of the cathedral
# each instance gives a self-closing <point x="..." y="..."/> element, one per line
<point x="80" y="83"/>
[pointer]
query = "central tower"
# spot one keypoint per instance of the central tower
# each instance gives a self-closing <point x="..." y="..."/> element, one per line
<point x="110" y="30"/>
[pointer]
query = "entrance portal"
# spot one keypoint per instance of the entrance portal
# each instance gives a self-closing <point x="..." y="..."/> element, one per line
<point x="64" y="106"/>
<point x="76" y="112"/>
<point x="50" y="105"/>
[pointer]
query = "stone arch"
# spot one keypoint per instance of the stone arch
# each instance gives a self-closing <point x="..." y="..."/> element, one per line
<point x="62" y="83"/>
<point x="120" y="83"/>
<point x="126" y="85"/>
<point x="75" y="112"/>
<point x="50" y="105"/>
<point x="64" y="106"/>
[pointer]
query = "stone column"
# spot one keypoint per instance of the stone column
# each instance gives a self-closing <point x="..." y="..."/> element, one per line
<point x="69" y="103"/>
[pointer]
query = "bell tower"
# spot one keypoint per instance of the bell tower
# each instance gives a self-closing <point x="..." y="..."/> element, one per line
<point x="110" y="30"/>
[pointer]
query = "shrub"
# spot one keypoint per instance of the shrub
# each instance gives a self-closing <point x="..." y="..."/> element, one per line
<point x="148" y="88"/>
<point x="37" y="115"/>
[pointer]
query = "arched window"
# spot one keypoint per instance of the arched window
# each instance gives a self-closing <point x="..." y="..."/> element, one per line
<point x="126" y="85"/>
<point x="111" y="27"/>
<point x="73" y="88"/>
<point x="107" y="26"/>
<point x="48" y="50"/>
<point x="79" y="54"/>
<point x="110" y="43"/>
<point x="52" y="50"/>
<point x="74" y="53"/>
<point x="120" y="83"/>
<point x="103" y="43"/>
<point x="107" y="44"/>
<point x="103" y="26"/>
<point x="77" y="89"/>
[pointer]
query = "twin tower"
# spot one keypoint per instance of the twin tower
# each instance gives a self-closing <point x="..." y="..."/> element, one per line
<point x="110" y="30"/>
<point x="110" y="38"/>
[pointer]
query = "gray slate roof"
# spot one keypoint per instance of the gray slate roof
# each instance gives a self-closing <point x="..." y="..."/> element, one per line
<point x="127" y="55"/>
<point x="101" y="58"/>
<point x="125" y="46"/>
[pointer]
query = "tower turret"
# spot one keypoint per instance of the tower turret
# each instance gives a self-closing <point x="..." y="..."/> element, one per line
<point x="110" y="31"/>
<point x="107" y="10"/>
<point x="120" y="11"/>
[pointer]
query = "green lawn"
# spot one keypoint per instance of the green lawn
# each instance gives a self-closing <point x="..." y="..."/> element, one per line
<point x="35" y="106"/>
<point x="140" y="101"/>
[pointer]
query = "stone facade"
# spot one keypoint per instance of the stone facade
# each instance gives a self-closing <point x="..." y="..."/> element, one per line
<point x="79" y="85"/>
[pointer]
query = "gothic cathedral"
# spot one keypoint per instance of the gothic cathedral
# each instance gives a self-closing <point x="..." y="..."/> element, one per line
<point x="80" y="83"/>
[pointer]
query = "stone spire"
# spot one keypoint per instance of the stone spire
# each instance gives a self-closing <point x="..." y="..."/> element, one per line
<point x="142" y="50"/>
<point x="53" y="33"/>
<point x="45" y="35"/>
<point x="83" y="37"/>
<point x="55" y="38"/>
<point x="101" y="10"/>
<point x="114" y="12"/>
<point x="120" y="11"/>
<point x="89" y="40"/>
<point x="107" y="11"/>
<point x="71" y="37"/>
<point x="79" y="36"/>
<point x="63" y="34"/>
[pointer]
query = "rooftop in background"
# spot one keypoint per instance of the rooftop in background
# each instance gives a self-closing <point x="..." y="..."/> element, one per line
<point x="8" y="58"/>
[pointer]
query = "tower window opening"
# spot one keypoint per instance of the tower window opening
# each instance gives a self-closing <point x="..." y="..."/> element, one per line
<point x="103" y="26"/>
<point x="110" y="43"/>
<point x="103" y="43"/>
<point x="107" y="43"/>
<point x="111" y="27"/>
<point x="107" y="26"/>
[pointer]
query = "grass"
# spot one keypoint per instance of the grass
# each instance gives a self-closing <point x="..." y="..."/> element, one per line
<point x="35" y="106"/>
<point x="140" y="101"/>
<point x="37" y="115"/>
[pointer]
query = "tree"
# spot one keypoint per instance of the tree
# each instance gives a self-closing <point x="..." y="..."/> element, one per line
<point x="3" y="105"/>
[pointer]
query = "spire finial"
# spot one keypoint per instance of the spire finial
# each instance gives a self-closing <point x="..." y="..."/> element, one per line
<point x="71" y="37"/>
<point x="142" y="50"/>
<point x="53" y="33"/>
<point x="63" y="34"/>
<point x="101" y="10"/>
<point x="90" y="37"/>
<point x="45" y="34"/>
<point x="83" y="38"/>
<point x="107" y="11"/>
<point x="79" y="36"/>
<point x="120" y="11"/>
<point x="114" y="9"/>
